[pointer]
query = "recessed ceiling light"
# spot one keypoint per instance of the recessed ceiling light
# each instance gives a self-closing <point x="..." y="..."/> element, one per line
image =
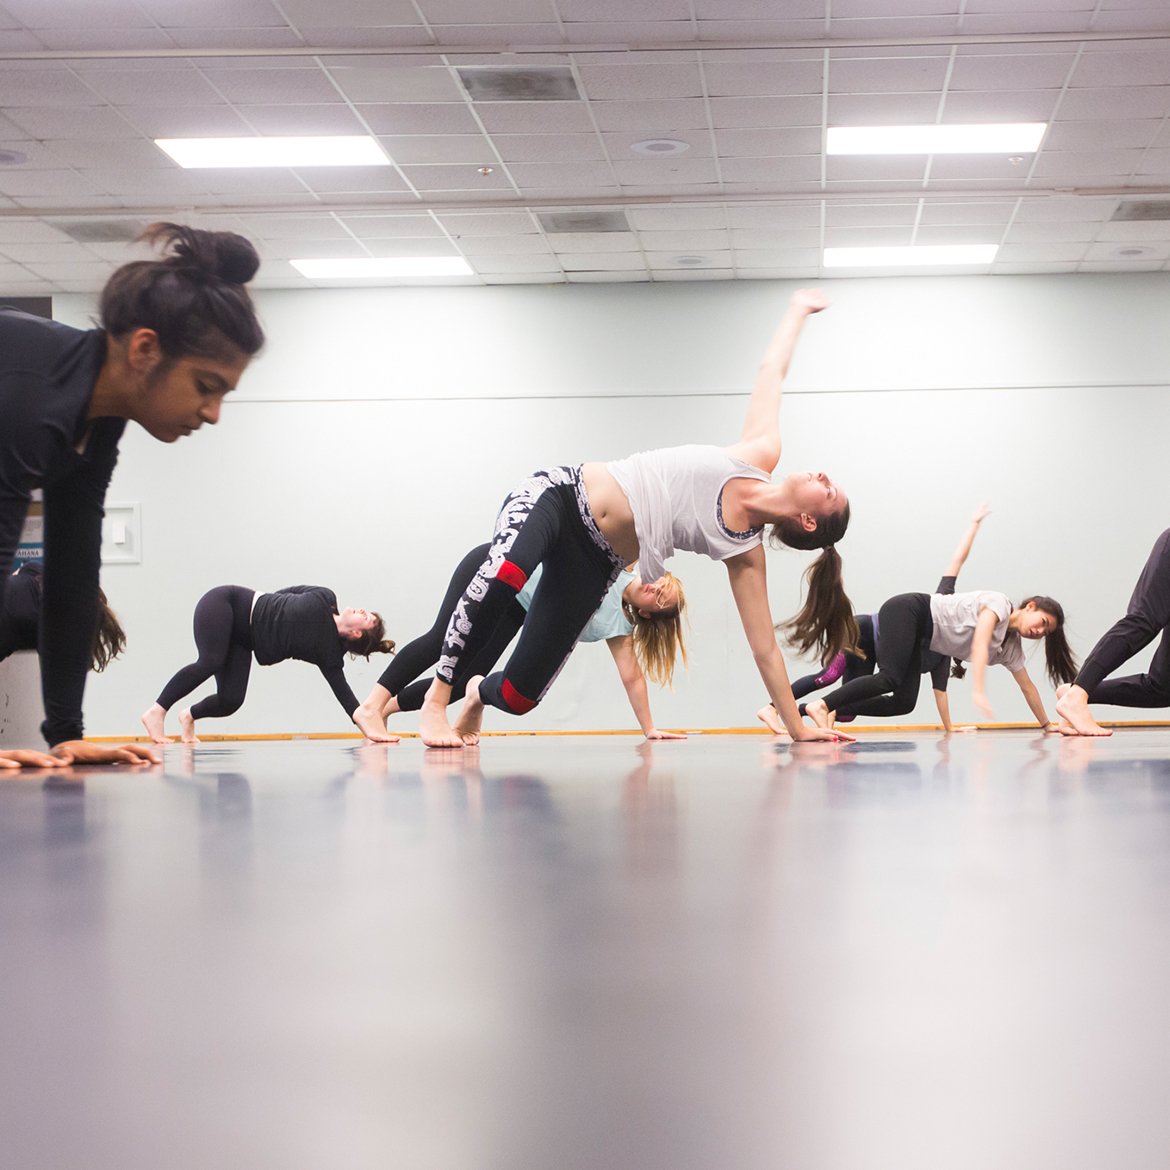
<point x="660" y="146"/>
<point x="915" y="256"/>
<point x="352" y="150"/>
<point x="1006" y="138"/>
<point x="393" y="266"/>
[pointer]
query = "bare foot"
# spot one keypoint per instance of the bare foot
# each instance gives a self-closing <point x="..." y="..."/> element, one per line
<point x="471" y="717"/>
<point x="154" y="722"/>
<point x="771" y="720"/>
<point x="372" y="725"/>
<point x="1073" y="709"/>
<point x="433" y="726"/>
<point x="818" y="713"/>
<point x="187" y="725"/>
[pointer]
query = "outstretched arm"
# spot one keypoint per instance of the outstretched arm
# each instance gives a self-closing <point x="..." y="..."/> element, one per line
<point x="622" y="649"/>
<point x="944" y="713"/>
<point x="1032" y="696"/>
<point x="749" y="586"/>
<point x="760" y="443"/>
<point x="964" y="549"/>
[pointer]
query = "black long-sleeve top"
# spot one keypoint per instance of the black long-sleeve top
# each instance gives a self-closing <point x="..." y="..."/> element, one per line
<point x="297" y="622"/>
<point x="22" y="611"/>
<point x="47" y="376"/>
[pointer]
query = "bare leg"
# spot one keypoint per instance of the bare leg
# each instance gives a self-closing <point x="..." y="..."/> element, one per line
<point x="390" y="707"/>
<point x="187" y="725"/>
<point x="370" y="717"/>
<point x="1073" y="709"/>
<point x="154" y="721"/>
<point x="818" y="713"/>
<point x="471" y="717"/>
<point x="432" y="721"/>
<point x="768" y="716"/>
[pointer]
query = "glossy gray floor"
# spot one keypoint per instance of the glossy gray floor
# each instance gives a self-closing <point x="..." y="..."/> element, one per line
<point x="578" y="952"/>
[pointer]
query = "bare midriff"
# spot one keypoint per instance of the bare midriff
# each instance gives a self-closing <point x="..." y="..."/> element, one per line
<point x="611" y="509"/>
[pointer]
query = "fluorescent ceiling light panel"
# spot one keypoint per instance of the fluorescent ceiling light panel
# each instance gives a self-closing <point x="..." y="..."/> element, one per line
<point x="1008" y="138"/>
<point x="395" y="266"/>
<point x="354" y="150"/>
<point x="916" y="256"/>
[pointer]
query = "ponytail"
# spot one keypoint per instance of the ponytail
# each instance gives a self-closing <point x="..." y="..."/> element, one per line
<point x="658" y="636"/>
<point x="109" y="639"/>
<point x="371" y="641"/>
<point x="958" y="670"/>
<point x="1061" y="666"/>
<point x="825" y="624"/>
<point x="193" y="297"/>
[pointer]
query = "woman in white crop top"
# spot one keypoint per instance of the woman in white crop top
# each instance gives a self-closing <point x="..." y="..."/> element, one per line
<point x="584" y="523"/>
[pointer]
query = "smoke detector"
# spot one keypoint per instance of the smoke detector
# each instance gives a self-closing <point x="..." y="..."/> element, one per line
<point x="655" y="146"/>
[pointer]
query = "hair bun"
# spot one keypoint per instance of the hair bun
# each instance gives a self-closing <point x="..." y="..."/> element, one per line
<point x="225" y="256"/>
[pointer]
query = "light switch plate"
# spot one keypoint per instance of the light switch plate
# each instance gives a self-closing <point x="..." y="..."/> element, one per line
<point x="122" y="520"/>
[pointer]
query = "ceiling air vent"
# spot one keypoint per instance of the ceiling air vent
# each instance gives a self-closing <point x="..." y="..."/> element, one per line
<point x="558" y="222"/>
<point x="102" y="231"/>
<point x="1144" y="209"/>
<point x="520" y="85"/>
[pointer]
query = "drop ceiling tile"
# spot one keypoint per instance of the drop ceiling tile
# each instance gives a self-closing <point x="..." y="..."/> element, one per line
<point x="864" y="9"/>
<point x="314" y="250"/>
<point x="335" y="180"/>
<point x="759" y="10"/>
<point x="7" y="22"/>
<point x="1065" y="208"/>
<point x="20" y="42"/>
<point x="431" y="246"/>
<point x="65" y="252"/>
<point x="1134" y="231"/>
<point x="384" y="36"/>
<point x="170" y="87"/>
<point x="1102" y="135"/>
<point x="530" y="244"/>
<point x="652" y="119"/>
<point x="563" y="176"/>
<point x="155" y="184"/>
<point x="50" y="87"/>
<point x="263" y="87"/>
<point x="881" y="109"/>
<point x="683" y="241"/>
<point x="29" y="231"/>
<point x="920" y="26"/>
<point x="78" y="122"/>
<point x="549" y="148"/>
<point x="875" y="168"/>
<point x="620" y="10"/>
<point x="1120" y="265"/>
<point x="1081" y="163"/>
<point x="241" y="38"/>
<point x="522" y="278"/>
<point x="804" y="272"/>
<point x="504" y="262"/>
<point x="1133" y="20"/>
<point x="1154" y="163"/>
<point x="620" y="32"/>
<point x="184" y="122"/>
<point x="90" y="274"/>
<point x="80" y="40"/>
<point x="763" y="143"/>
<point x="950" y="168"/>
<point x="785" y="217"/>
<point x="1149" y="101"/>
<point x="1036" y="105"/>
<point x="578" y="243"/>
<point x="872" y="236"/>
<point x="665" y="171"/>
<point x="60" y="183"/>
<point x="453" y="177"/>
<point x="213" y="13"/>
<point x="765" y="240"/>
<point x="607" y="277"/>
<point x="321" y="226"/>
<point x="675" y="274"/>
<point x="392" y="227"/>
<point x="778" y="258"/>
<point x="302" y="120"/>
<point x="536" y="117"/>
<point x="131" y="153"/>
<point x="780" y="172"/>
<point x="620" y="145"/>
<point x="677" y="219"/>
<point x="469" y="149"/>
<point x="266" y="183"/>
<point x="768" y="113"/>
<point x="668" y="260"/>
<point x="1025" y="21"/>
<point x="39" y="156"/>
<point x="534" y="195"/>
<point x="602" y="261"/>
<point x="1031" y="269"/>
<point x="1113" y="251"/>
<point x="99" y="14"/>
<point x="992" y="214"/>
<point x="488" y="11"/>
<point x="397" y="84"/>
<point x="958" y="235"/>
<point x="641" y="82"/>
<point x="764" y="79"/>
<point x="404" y="118"/>
<point x="881" y="214"/>
<point x="1040" y="253"/>
<point x="491" y="35"/>
<point x="352" y="14"/>
<point x="888" y="75"/>
<point x="1017" y="71"/>
<point x="1133" y="67"/>
<point x="499" y="223"/>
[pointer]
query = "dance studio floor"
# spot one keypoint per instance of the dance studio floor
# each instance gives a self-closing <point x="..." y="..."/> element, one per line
<point x="564" y="953"/>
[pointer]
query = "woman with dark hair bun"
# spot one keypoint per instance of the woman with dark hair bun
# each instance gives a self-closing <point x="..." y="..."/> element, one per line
<point x="233" y="623"/>
<point x="584" y="524"/>
<point x="176" y="333"/>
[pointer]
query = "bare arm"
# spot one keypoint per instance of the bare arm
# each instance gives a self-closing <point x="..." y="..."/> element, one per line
<point x="622" y="649"/>
<point x="964" y="549"/>
<point x="749" y="585"/>
<point x="944" y="713"/>
<point x="760" y="442"/>
<point x="1032" y="696"/>
<point x="980" y="649"/>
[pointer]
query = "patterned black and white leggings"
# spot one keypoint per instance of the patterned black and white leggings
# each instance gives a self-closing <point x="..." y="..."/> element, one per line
<point x="545" y="521"/>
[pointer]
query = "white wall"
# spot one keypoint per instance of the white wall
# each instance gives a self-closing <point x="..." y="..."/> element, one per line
<point x="371" y="444"/>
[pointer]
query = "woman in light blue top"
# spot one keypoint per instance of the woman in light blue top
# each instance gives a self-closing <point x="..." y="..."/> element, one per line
<point x="640" y="623"/>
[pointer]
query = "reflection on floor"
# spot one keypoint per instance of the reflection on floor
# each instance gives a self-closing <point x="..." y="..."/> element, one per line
<point x="554" y="954"/>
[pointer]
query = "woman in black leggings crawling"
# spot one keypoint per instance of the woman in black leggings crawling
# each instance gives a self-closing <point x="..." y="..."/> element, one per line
<point x="848" y="666"/>
<point x="233" y="623"/>
<point x="982" y="628"/>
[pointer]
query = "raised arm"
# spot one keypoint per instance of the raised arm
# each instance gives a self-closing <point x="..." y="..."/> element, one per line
<point x="749" y="586"/>
<point x="760" y="442"/>
<point x="964" y="549"/>
<point x="622" y="649"/>
<point x="1032" y="697"/>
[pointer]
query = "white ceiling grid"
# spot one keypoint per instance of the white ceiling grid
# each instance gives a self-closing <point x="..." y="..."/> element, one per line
<point x="753" y="196"/>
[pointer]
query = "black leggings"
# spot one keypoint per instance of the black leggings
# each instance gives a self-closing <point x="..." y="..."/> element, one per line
<point x="855" y="667"/>
<point x="545" y="521"/>
<point x="1147" y="616"/>
<point x="421" y="654"/>
<point x="906" y="625"/>
<point x="223" y="637"/>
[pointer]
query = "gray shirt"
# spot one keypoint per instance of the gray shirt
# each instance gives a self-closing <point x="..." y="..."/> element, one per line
<point x="955" y="617"/>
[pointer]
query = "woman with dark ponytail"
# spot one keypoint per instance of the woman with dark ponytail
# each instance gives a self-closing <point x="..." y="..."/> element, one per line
<point x="982" y="628"/>
<point x="176" y="333"/>
<point x="584" y="524"/>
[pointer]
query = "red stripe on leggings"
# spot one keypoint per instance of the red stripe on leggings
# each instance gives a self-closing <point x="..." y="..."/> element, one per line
<point x="512" y="575"/>
<point x="515" y="699"/>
